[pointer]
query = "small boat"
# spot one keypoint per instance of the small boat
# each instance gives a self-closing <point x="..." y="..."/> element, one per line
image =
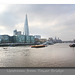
<point x="72" y="45"/>
<point x="4" y="48"/>
<point x="37" y="46"/>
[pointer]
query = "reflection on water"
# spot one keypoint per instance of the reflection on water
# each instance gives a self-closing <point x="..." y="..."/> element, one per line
<point x="57" y="55"/>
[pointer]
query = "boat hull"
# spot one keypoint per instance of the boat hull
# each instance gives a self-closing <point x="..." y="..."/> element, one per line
<point x="72" y="45"/>
<point x="37" y="46"/>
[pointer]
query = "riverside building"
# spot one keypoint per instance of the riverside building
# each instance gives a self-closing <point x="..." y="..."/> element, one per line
<point x="18" y="37"/>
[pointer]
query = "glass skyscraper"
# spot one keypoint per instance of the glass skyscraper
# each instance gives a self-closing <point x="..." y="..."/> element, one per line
<point x="26" y="28"/>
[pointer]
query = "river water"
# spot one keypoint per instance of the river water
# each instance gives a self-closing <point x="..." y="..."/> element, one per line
<point x="57" y="55"/>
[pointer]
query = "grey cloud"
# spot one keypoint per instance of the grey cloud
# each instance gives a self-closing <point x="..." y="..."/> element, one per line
<point x="61" y="16"/>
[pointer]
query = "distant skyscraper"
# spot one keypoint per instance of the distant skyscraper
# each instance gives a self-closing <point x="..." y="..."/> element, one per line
<point x="15" y="32"/>
<point x="26" y="28"/>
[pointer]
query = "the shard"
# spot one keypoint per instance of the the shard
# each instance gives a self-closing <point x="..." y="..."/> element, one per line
<point x="26" y="28"/>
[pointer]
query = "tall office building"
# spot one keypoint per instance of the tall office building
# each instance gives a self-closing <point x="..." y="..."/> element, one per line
<point x="26" y="28"/>
<point x="15" y="32"/>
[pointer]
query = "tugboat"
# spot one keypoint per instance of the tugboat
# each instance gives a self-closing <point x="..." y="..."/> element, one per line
<point x="72" y="45"/>
<point x="37" y="46"/>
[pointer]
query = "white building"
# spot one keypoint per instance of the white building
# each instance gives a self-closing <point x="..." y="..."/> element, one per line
<point x="37" y="36"/>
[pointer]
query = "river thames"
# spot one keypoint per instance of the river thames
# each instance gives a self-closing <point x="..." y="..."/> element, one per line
<point x="57" y="55"/>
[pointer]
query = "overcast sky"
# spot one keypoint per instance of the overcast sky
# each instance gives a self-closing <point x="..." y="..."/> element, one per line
<point x="45" y="20"/>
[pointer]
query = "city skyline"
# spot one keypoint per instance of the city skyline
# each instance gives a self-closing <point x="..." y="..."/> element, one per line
<point x="46" y="20"/>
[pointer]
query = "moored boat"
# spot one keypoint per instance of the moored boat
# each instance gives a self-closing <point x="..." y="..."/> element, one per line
<point x="4" y="48"/>
<point x="72" y="45"/>
<point x="37" y="46"/>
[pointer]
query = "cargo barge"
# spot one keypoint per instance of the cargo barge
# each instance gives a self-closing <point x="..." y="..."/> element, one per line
<point x="37" y="46"/>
